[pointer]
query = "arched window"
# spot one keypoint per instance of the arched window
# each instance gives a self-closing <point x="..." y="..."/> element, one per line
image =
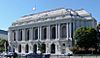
<point x="53" y="48"/>
<point x="36" y="34"/>
<point x="34" y="48"/>
<point x="27" y="48"/>
<point x="53" y="33"/>
<point x="72" y="30"/>
<point x="43" y="48"/>
<point x="44" y="33"/>
<point x="13" y="50"/>
<point x="63" y="32"/>
<point x="20" y="35"/>
<point x="27" y="34"/>
<point x="19" y="49"/>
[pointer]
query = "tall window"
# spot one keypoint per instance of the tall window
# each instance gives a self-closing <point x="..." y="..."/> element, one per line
<point x="27" y="48"/>
<point x="34" y="48"/>
<point x="44" y="33"/>
<point x="20" y="35"/>
<point x="19" y="49"/>
<point x="63" y="31"/>
<point x="27" y="34"/>
<point x="43" y="48"/>
<point x="53" y="48"/>
<point x="72" y="30"/>
<point x="36" y="34"/>
<point x="53" y="33"/>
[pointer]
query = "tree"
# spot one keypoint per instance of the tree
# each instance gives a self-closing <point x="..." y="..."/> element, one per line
<point x="85" y="37"/>
<point x="2" y="44"/>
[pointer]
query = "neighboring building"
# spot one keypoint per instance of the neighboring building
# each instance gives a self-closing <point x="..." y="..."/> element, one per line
<point x="3" y="34"/>
<point x="52" y="29"/>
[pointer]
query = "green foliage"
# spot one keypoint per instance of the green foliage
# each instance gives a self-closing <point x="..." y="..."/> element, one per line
<point x="41" y="47"/>
<point x="78" y="50"/>
<point x="98" y="24"/>
<point x="73" y="49"/>
<point x="85" y="37"/>
<point x="2" y="45"/>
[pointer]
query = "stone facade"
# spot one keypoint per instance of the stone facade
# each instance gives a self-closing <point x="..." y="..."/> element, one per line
<point x="52" y="29"/>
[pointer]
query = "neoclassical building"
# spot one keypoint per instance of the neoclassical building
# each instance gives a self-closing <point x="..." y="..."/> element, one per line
<point x="51" y="30"/>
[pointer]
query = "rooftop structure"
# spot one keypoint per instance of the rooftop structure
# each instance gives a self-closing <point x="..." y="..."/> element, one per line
<point x="53" y="15"/>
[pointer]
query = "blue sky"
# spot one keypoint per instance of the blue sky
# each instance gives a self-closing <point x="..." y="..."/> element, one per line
<point x="11" y="10"/>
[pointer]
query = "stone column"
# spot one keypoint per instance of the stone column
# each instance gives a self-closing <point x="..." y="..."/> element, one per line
<point x="40" y="33"/>
<point x="47" y="48"/>
<point x="30" y="48"/>
<point x="70" y="30"/>
<point x="48" y="32"/>
<point x="12" y="35"/>
<point x="58" y="31"/>
<point x="31" y="34"/>
<point x="56" y="49"/>
<point x="16" y="49"/>
<point x="23" y="34"/>
<point x="67" y="30"/>
<point x="22" y="48"/>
